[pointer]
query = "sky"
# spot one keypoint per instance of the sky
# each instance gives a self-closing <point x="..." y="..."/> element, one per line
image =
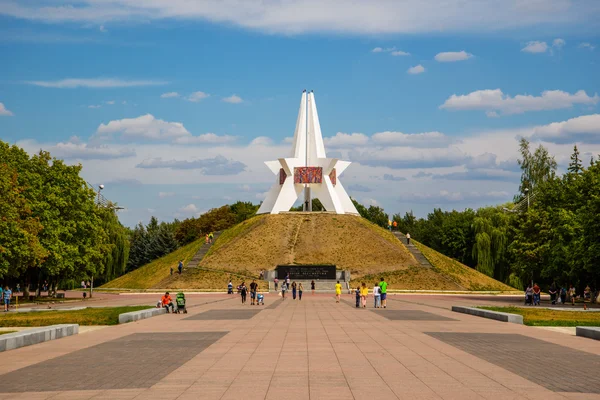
<point x="175" y="105"/>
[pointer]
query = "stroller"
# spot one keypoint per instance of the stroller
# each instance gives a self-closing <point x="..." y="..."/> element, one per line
<point x="260" y="299"/>
<point x="180" y="300"/>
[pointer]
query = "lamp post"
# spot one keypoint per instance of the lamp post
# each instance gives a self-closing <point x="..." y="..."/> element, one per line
<point x="527" y="194"/>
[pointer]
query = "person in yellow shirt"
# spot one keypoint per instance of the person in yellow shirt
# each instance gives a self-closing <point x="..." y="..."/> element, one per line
<point x="338" y="291"/>
<point x="364" y="292"/>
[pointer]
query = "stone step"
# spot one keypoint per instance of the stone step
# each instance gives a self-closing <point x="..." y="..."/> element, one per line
<point x="421" y="259"/>
<point x="202" y="252"/>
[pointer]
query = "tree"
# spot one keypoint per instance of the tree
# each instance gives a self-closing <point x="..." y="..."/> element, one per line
<point x="535" y="168"/>
<point x="575" y="166"/>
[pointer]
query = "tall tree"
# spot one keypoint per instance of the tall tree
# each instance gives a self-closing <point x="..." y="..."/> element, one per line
<point x="536" y="167"/>
<point x="575" y="166"/>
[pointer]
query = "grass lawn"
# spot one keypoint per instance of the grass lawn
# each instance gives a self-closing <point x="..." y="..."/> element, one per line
<point x="5" y="332"/>
<point x="88" y="316"/>
<point x="543" y="317"/>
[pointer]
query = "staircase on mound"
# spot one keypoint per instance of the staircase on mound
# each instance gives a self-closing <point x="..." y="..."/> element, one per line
<point x="202" y="252"/>
<point x="413" y="250"/>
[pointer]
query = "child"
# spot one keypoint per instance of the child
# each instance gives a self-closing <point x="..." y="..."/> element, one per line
<point x="357" y="297"/>
<point x="260" y="299"/>
<point x="376" y="295"/>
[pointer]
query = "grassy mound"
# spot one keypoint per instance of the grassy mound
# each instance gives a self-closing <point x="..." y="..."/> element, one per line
<point x="467" y="278"/>
<point x="347" y="241"/>
<point x="151" y="274"/>
<point x="205" y="279"/>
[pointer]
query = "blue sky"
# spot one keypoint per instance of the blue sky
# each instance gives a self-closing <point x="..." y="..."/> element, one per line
<point x="175" y="106"/>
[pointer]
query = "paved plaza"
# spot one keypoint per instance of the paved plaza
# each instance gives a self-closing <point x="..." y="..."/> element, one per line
<point x="314" y="349"/>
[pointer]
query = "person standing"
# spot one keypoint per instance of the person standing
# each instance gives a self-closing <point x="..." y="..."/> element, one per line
<point x="552" y="292"/>
<point x="312" y="287"/>
<point x="383" y="288"/>
<point x="180" y="266"/>
<point x="276" y="283"/>
<point x="283" y="289"/>
<point x="338" y="291"/>
<point x="377" y="295"/>
<point x="210" y="238"/>
<point x="83" y="285"/>
<point x="407" y="238"/>
<point x="529" y="295"/>
<point x="300" y="290"/>
<point x="563" y="295"/>
<point x="357" y="295"/>
<point x="230" y="287"/>
<point x="253" y="290"/>
<point x="364" y="292"/>
<point x="287" y="281"/>
<point x="206" y="239"/>
<point x="536" y="295"/>
<point x="243" y="292"/>
<point x="293" y="290"/>
<point x="7" y="295"/>
<point x="572" y="294"/>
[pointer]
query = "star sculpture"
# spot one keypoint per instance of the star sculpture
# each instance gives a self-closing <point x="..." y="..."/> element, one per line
<point x="308" y="169"/>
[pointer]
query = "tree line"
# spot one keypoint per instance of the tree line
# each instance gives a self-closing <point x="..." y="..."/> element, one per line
<point x="554" y="236"/>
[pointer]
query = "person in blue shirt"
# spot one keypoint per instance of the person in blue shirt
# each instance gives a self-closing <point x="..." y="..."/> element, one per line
<point x="7" y="295"/>
<point x="180" y="266"/>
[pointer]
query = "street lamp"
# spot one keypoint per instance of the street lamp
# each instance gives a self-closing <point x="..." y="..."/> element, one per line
<point x="527" y="194"/>
<point x="100" y="187"/>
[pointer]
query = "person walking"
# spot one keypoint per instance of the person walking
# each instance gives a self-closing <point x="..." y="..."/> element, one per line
<point x="7" y="295"/>
<point x="300" y="290"/>
<point x="283" y="289"/>
<point x="253" y="290"/>
<point x="357" y="295"/>
<point x="377" y="295"/>
<point x="276" y="283"/>
<point x="293" y="290"/>
<point x="171" y="271"/>
<point x="338" y="291"/>
<point x="230" y="287"/>
<point x="563" y="295"/>
<point x="206" y="239"/>
<point x="364" y="292"/>
<point x="407" y="238"/>
<point x="529" y="295"/>
<point x="210" y="238"/>
<point x="243" y="292"/>
<point x="552" y="292"/>
<point x="383" y="287"/>
<point x="287" y="281"/>
<point x="572" y="294"/>
<point x="536" y="295"/>
<point x="180" y="266"/>
<point x="312" y="287"/>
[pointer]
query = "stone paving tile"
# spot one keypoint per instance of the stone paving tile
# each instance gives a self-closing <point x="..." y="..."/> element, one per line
<point x="223" y="315"/>
<point x="313" y="349"/>
<point x="410" y="315"/>
<point x="529" y="358"/>
<point x="137" y="360"/>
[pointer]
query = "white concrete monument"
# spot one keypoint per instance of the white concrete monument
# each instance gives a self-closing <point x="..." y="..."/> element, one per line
<point x="308" y="169"/>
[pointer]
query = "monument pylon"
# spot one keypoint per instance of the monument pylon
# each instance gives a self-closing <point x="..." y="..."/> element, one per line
<point x="308" y="169"/>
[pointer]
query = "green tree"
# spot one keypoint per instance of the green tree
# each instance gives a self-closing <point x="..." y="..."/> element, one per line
<point x="536" y="167"/>
<point x="575" y="166"/>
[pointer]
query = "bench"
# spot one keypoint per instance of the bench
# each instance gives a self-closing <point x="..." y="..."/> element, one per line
<point x="142" y="314"/>
<point x="498" y="316"/>
<point x="592" y="332"/>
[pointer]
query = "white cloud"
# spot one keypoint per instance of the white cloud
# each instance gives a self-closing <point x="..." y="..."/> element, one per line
<point x="4" y="111"/>
<point x="162" y="195"/>
<point x="399" y="53"/>
<point x="586" y="45"/>
<point x="189" y="209"/>
<point x="94" y="106"/>
<point x="417" y="69"/>
<point x="169" y="95"/>
<point x="425" y="139"/>
<point x="197" y="96"/>
<point x="451" y="56"/>
<point x="535" y="47"/>
<point x="102" y="29"/>
<point x="205" y="138"/>
<point x="346" y="140"/>
<point x="447" y="196"/>
<point x="261" y="141"/>
<point x="233" y="99"/>
<point x="369" y="202"/>
<point x="218" y="165"/>
<point x="366" y="17"/>
<point x="143" y="127"/>
<point x="94" y="83"/>
<point x="491" y="114"/>
<point x="390" y="177"/>
<point x="584" y="129"/>
<point x="558" y="43"/>
<point x="495" y="100"/>
<point x="359" y="188"/>
<point x="409" y="157"/>
<point x="377" y="50"/>
<point x="110" y="102"/>
<point x="383" y="49"/>
<point x="83" y="151"/>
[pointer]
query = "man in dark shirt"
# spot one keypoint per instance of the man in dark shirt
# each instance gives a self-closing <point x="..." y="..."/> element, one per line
<point x="253" y="289"/>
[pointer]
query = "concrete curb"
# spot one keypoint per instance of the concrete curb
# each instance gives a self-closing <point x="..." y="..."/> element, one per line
<point x="28" y="337"/>
<point x="498" y="316"/>
<point x="142" y="314"/>
<point x="592" y="332"/>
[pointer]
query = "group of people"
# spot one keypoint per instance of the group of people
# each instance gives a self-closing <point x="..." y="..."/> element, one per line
<point x="362" y="292"/>
<point x="558" y="294"/>
<point x="297" y="288"/>
<point x="209" y="238"/>
<point x="255" y="297"/>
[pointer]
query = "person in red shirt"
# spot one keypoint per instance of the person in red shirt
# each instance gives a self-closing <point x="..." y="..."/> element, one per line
<point x="167" y="302"/>
<point x="536" y="295"/>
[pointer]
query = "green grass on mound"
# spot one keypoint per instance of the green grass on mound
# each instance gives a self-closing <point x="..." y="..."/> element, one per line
<point x="206" y="279"/>
<point x="150" y="274"/>
<point x="88" y="316"/>
<point x="233" y="233"/>
<point x="544" y="317"/>
<point x="464" y="276"/>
